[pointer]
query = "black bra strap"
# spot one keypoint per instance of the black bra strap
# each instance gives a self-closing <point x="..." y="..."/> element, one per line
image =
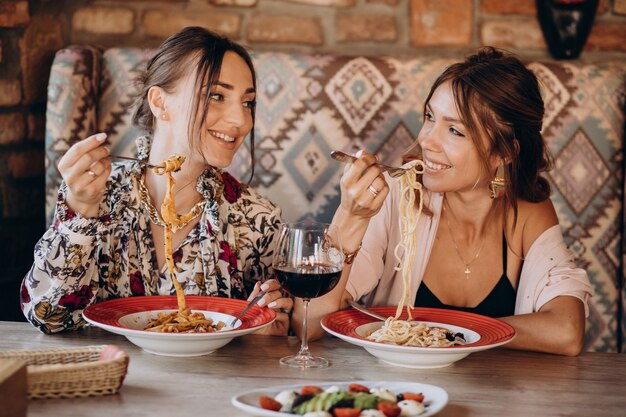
<point x="504" y="254"/>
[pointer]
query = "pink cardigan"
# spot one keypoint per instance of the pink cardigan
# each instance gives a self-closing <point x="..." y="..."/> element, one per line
<point x="548" y="270"/>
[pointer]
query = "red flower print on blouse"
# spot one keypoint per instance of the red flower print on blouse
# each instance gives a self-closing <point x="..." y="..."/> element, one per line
<point x="24" y="295"/>
<point x="177" y="256"/>
<point x="232" y="187"/>
<point x="228" y="255"/>
<point x="77" y="300"/>
<point x="136" y="284"/>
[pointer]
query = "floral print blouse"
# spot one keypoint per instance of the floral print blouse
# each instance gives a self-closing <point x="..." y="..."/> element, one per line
<point x="80" y="261"/>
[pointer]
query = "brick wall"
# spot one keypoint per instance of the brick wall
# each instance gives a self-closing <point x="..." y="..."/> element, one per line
<point x="31" y="31"/>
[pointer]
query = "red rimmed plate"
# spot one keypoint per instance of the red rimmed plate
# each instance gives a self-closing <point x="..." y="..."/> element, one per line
<point x="481" y="333"/>
<point x="128" y="316"/>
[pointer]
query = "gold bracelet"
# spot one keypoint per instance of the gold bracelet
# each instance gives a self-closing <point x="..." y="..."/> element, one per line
<point x="348" y="257"/>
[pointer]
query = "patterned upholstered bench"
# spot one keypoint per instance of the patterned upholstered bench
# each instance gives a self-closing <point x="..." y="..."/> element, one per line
<point x="309" y="105"/>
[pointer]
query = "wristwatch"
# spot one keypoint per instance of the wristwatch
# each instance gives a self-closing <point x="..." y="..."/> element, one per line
<point x="348" y="257"/>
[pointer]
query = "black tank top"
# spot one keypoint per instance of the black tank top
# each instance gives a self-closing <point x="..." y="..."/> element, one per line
<point x="499" y="303"/>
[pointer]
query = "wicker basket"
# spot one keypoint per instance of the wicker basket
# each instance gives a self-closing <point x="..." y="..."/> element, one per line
<point x="74" y="372"/>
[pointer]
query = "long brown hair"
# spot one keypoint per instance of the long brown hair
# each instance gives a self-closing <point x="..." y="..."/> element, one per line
<point x="172" y="61"/>
<point x="498" y="97"/>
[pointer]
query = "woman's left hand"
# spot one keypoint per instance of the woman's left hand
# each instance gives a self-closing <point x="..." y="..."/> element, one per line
<point x="275" y="300"/>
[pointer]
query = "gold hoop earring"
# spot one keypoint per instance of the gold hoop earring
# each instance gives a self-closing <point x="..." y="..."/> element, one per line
<point x="498" y="184"/>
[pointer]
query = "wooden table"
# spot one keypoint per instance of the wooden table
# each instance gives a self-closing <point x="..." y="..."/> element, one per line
<point x="498" y="382"/>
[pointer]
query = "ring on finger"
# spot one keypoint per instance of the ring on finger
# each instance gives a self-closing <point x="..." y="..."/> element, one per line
<point x="93" y="174"/>
<point x="372" y="190"/>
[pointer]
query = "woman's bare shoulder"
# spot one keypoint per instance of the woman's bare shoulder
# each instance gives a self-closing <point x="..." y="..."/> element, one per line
<point x="532" y="220"/>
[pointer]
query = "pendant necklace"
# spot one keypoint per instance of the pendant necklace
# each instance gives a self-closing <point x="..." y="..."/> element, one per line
<point x="467" y="270"/>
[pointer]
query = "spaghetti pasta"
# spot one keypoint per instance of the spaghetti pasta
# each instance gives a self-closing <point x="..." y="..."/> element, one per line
<point x="415" y="333"/>
<point x="172" y="220"/>
<point x="408" y="219"/>
<point x="182" y="320"/>
<point x="409" y="332"/>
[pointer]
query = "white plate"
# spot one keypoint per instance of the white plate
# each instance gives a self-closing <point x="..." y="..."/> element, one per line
<point x="481" y="333"/>
<point x="434" y="397"/>
<point x="128" y="317"/>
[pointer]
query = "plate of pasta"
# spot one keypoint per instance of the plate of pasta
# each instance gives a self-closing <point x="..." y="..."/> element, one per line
<point x="156" y="324"/>
<point x="345" y="398"/>
<point x="434" y="338"/>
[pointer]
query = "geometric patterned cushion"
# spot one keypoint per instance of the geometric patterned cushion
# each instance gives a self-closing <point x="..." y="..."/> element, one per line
<point x="120" y="67"/>
<point x="584" y="127"/>
<point x="70" y="109"/>
<point x="309" y="105"/>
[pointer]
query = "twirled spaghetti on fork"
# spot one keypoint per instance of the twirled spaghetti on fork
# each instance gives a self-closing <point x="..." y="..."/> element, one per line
<point x="183" y="320"/>
<point x="409" y="332"/>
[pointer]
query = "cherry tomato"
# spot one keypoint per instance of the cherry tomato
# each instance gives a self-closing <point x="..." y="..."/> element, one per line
<point x="269" y="403"/>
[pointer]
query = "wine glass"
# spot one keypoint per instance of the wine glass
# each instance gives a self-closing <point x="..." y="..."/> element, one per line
<point x="308" y="261"/>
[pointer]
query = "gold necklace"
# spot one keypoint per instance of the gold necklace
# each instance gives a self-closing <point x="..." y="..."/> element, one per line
<point x="467" y="270"/>
<point x="153" y="213"/>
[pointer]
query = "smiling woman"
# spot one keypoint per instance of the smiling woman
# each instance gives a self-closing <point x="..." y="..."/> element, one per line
<point x="197" y="100"/>
<point x="500" y="252"/>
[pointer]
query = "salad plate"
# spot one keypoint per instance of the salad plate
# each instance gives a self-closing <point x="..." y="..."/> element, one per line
<point x="480" y="333"/>
<point x="129" y="316"/>
<point x="435" y="398"/>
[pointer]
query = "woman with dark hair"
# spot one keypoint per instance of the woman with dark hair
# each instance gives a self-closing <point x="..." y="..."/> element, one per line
<point x="488" y="240"/>
<point x="196" y="99"/>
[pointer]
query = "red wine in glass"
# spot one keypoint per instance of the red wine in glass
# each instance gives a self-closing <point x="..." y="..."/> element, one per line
<point x="308" y="262"/>
<point x="308" y="281"/>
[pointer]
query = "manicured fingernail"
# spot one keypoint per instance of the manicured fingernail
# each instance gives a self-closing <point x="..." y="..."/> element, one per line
<point x="265" y="287"/>
<point x="272" y="304"/>
<point x="261" y="302"/>
<point x="101" y="136"/>
<point x="359" y="153"/>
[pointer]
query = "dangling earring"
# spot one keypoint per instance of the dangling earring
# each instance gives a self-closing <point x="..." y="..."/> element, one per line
<point x="498" y="184"/>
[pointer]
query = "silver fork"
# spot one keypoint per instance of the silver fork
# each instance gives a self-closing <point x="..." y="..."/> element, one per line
<point x="364" y="310"/>
<point x="128" y="158"/>
<point x="248" y="307"/>
<point x="345" y="158"/>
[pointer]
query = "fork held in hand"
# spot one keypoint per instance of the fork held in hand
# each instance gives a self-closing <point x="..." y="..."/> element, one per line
<point x="344" y="157"/>
<point x="364" y="310"/>
<point x="128" y="158"/>
<point x="248" y="307"/>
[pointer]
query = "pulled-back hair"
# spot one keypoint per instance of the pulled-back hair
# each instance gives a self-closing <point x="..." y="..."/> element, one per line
<point x="173" y="60"/>
<point x="498" y="97"/>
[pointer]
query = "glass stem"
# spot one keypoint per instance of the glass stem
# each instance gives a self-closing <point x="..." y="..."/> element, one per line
<point x="304" y="347"/>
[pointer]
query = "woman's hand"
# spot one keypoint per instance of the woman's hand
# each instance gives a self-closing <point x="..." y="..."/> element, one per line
<point x="363" y="187"/>
<point x="363" y="192"/>
<point x="275" y="300"/>
<point x="85" y="168"/>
